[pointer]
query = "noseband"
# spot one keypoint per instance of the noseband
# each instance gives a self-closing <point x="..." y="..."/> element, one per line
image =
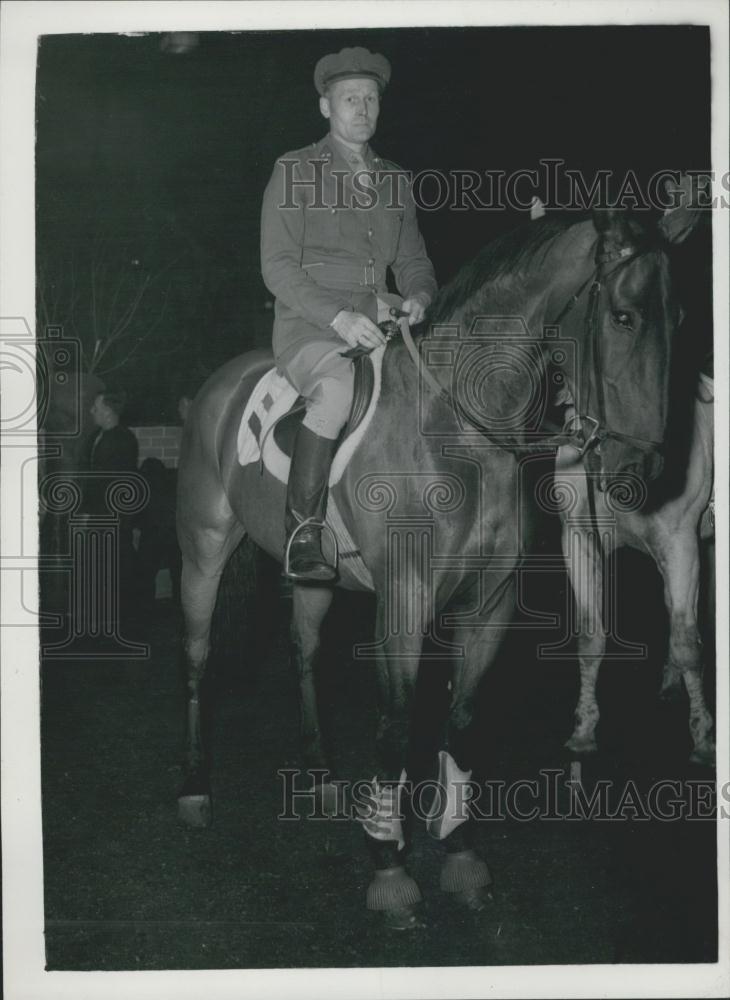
<point x="576" y="437"/>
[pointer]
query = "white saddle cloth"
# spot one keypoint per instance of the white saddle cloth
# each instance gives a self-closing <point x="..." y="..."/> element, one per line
<point x="273" y="396"/>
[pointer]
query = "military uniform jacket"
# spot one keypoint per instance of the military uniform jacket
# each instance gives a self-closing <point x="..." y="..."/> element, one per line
<point x="328" y="237"/>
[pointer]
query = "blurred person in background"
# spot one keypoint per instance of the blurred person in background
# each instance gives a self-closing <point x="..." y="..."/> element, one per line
<point x="111" y="449"/>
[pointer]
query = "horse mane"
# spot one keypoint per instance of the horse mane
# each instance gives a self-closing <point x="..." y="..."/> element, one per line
<point x="507" y="255"/>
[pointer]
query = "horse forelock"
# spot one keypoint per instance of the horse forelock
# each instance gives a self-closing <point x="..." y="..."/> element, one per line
<point x="629" y="230"/>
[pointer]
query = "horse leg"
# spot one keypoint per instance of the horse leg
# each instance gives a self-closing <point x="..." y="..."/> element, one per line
<point x="382" y="686"/>
<point x="310" y="605"/>
<point x="392" y="891"/>
<point x="707" y="588"/>
<point x="584" y="563"/>
<point x="464" y="873"/>
<point x="671" y="689"/>
<point x="201" y="575"/>
<point x="678" y="560"/>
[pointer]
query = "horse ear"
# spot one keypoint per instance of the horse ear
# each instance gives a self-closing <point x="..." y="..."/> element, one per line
<point x="676" y="225"/>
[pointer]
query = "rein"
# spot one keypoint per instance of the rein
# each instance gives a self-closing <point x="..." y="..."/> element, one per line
<point x="544" y="444"/>
<point x="576" y="437"/>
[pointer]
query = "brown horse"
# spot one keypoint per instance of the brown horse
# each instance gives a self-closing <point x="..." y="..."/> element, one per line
<point x="430" y="495"/>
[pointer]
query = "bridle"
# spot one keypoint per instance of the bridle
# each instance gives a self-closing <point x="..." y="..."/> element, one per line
<point x="592" y="358"/>
<point x="591" y="365"/>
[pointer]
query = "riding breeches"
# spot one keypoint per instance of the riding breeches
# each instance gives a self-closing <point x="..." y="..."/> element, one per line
<point x="325" y="379"/>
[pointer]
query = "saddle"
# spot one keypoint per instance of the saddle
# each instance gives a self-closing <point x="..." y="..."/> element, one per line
<point x="285" y="427"/>
<point x="274" y="412"/>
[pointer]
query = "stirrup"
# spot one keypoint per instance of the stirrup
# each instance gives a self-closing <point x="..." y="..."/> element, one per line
<point x="310" y="522"/>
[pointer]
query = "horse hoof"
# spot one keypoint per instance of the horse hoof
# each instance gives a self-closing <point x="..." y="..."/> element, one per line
<point x="403" y="918"/>
<point x="581" y="745"/>
<point x="704" y="756"/>
<point x="466" y="876"/>
<point x="475" y="898"/>
<point x="194" y="810"/>
<point x="395" y="895"/>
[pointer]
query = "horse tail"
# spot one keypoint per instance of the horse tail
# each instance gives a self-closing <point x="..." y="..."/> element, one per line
<point x="244" y="614"/>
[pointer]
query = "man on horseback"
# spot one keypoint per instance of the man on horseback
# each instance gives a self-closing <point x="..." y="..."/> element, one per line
<point x="335" y="216"/>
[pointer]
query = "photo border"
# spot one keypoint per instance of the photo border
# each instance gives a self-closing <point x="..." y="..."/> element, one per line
<point x="25" y="977"/>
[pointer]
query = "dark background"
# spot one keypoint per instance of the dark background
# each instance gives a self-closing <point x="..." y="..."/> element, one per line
<point x="154" y="160"/>
<point x="151" y="164"/>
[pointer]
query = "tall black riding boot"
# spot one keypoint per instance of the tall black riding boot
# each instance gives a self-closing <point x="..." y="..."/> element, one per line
<point x="306" y="504"/>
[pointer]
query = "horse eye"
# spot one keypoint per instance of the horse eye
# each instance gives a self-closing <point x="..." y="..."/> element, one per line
<point x="623" y="319"/>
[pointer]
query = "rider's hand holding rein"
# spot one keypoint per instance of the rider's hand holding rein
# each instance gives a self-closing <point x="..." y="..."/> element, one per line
<point x="357" y="330"/>
<point x="416" y="308"/>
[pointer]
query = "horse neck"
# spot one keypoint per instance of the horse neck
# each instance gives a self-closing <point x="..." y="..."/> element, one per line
<point x="537" y="293"/>
<point x="509" y="314"/>
<point x="418" y="432"/>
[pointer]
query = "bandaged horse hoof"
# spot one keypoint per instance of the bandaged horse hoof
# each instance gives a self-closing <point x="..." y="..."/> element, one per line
<point x="466" y="875"/>
<point x="395" y="894"/>
<point x="194" y="810"/>
<point x="392" y="891"/>
<point x="193" y="800"/>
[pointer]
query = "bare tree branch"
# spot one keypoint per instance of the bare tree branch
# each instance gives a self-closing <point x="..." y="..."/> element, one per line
<point x="97" y="281"/>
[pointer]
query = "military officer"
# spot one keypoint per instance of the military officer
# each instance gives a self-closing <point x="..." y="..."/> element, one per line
<point x="335" y="216"/>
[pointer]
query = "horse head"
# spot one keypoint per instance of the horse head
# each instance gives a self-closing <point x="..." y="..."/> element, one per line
<point x="622" y="383"/>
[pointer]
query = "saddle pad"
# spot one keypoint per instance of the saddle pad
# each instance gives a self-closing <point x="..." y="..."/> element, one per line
<point x="270" y="400"/>
<point x="272" y="397"/>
